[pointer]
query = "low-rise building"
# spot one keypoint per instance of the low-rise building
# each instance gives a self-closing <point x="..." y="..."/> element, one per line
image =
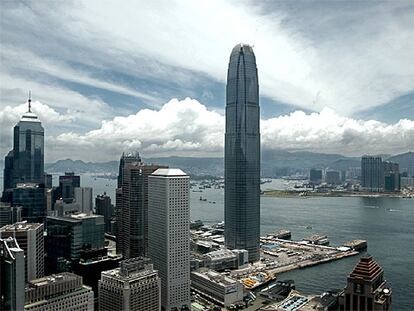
<point x="221" y="289"/>
<point x="223" y="259"/>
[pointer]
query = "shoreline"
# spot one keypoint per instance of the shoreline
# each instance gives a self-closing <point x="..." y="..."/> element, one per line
<point x="296" y="194"/>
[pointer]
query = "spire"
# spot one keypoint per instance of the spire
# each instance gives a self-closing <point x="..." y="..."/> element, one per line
<point x="30" y="101"/>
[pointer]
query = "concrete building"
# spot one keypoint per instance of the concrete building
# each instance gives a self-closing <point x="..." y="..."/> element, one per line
<point x="63" y="291"/>
<point x="372" y="174"/>
<point x="242" y="153"/>
<point x="135" y="286"/>
<point x="68" y="236"/>
<point x="32" y="198"/>
<point x="332" y="177"/>
<point x="169" y="235"/>
<point x="105" y="208"/>
<point x="83" y="197"/>
<point x="366" y="289"/>
<point x="9" y="214"/>
<point x="222" y="290"/>
<point x="31" y="240"/>
<point x="132" y="205"/>
<point x="12" y="268"/>
<point x="223" y="259"/>
<point x="63" y="208"/>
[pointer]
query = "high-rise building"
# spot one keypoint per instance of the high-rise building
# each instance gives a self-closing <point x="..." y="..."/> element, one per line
<point x="372" y="174"/>
<point x="127" y="157"/>
<point x="169" y="235"/>
<point x="132" y="205"/>
<point x="31" y="240"/>
<point x="8" y="171"/>
<point x="105" y="208"/>
<point x="315" y="176"/>
<point x="242" y="154"/>
<point x="392" y="177"/>
<point x="63" y="291"/>
<point x="12" y="268"/>
<point x="67" y="185"/>
<point x="32" y="198"/>
<point x="68" y="236"/>
<point x="332" y="177"/>
<point x="9" y="214"/>
<point x="134" y="286"/>
<point x="83" y="196"/>
<point x="28" y="149"/>
<point x="367" y="290"/>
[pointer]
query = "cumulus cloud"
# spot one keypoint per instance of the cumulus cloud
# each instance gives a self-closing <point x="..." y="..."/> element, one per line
<point x="188" y="128"/>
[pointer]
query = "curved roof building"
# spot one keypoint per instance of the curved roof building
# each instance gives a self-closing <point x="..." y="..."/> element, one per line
<point x="242" y="153"/>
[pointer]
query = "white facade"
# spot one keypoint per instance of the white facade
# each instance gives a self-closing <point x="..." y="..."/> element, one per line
<point x="83" y="197"/>
<point x="169" y="235"/>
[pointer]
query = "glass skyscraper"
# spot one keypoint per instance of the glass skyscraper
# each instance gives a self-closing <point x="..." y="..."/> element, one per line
<point x="242" y="154"/>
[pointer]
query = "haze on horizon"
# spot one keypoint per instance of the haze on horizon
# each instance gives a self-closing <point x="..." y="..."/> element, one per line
<point x="335" y="77"/>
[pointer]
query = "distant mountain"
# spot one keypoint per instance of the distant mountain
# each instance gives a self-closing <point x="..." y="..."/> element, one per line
<point x="405" y="160"/>
<point x="79" y="166"/>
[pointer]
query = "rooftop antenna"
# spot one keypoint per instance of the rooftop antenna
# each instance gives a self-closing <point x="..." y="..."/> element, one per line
<point x="30" y="101"/>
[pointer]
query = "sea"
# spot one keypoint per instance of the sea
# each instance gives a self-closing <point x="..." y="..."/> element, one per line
<point x="386" y="223"/>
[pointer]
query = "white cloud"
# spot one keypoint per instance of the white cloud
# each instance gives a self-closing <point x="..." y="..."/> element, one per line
<point x="188" y="128"/>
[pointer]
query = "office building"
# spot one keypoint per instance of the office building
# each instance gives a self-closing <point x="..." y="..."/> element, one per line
<point x="332" y="177"/>
<point x="127" y="157"/>
<point x="105" y="208"/>
<point x="372" y="174"/>
<point x="63" y="291"/>
<point x="67" y="185"/>
<point x="83" y="197"/>
<point x="31" y="241"/>
<point x="63" y="208"/>
<point x="134" y="286"/>
<point x="392" y="177"/>
<point x="32" y="198"/>
<point x="242" y="154"/>
<point x="12" y="268"/>
<point x="132" y="202"/>
<point x="220" y="289"/>
<point x="68" y="236"/>
<point x="9" y="214"/>
<point x="315" y="176"/>
<point x="48" y="180"/>
<point x="169" y="235"/>
<point x="25" y="164"/>
<point x="366" y="289"/>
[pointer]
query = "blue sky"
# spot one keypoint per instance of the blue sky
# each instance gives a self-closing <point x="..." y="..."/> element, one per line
<point x="88" y="62"/>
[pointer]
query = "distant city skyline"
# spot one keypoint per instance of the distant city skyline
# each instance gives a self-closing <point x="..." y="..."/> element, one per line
<point x="86" y="68"/>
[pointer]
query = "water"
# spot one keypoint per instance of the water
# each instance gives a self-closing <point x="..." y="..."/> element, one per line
<point x="386" y="223"/>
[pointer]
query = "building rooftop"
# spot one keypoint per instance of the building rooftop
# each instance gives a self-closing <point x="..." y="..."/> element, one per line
<point x="367" y="269"/>
<point x="220" y="254"/>
<point x="216" y="277"/>
<point x="29" y="117"/>
<point x="21" y="226"/>
<point x="54" y="279"/>
<point x="169" y="172"/>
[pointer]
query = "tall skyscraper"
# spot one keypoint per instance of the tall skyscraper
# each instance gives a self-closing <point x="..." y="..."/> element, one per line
<point x="242" y="154"/>
<point x="367" y="290"/>
<point x="372" y="173"/>
<point x="105" y="208"/>
<point x="134" y="286"/>
<point x="63" y="291"/>
<point x="169" y="235"/>
<point x="32" y="198"/>
<point x="11" y="275"/>
<point x="127" y="157"/>
<point x="132" y="205"/>
<point x="25" y="163"/>
<point x="392" y="177"/>
<point x="30" y="239"/>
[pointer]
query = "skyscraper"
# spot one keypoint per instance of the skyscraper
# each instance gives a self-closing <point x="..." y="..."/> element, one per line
<point x="135" y="285"/>
<point x="127" y="157"/>
<point x="372" y="173"/>
<point x="169" y="235"/>
<point x="242" y="153"/>
<point x="30" y="239"/>
<point x="367" y="290"/>
<point x="28" y="149"/>
<point x="11" y="275"/>
<point x="83" y="196"/>
<point x="132" y="206"/>
<point x="105" y="208"/>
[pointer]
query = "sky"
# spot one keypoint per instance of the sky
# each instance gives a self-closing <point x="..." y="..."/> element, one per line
<point x="108" y="76"/>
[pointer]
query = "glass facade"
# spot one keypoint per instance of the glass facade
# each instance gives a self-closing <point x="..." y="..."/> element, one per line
<point x="28" y="150"/>
<point x="242" y="154"/>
